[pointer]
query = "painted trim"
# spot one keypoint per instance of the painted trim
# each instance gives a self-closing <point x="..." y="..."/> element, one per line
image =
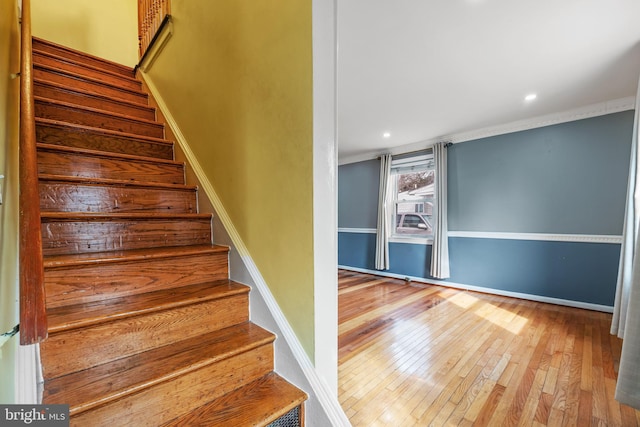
<point x="529" y="297"/>
<point x="325" y="210"/>
<point x="29" y="380"/>
<point x="594" y="110"/>
<point x="325" y="396"/>
<point x="357" y="230"/>
<point x="546" y="237"/>
<point x="577" y="238"/>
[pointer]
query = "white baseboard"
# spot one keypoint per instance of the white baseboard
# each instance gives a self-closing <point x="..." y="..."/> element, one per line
<point x="530" y="297"/>
<point x="326" y="398"/>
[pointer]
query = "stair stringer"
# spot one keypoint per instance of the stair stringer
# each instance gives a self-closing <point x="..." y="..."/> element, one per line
<point x="291" y="360"/>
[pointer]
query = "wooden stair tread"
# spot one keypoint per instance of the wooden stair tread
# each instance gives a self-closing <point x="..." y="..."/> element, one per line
<point x="104" y="383"/>
<point x="108" y="154"/>
<point x="87" y="66"/>
<point x="76" y="76"/>
<point x="40" y="99"/>
<point x="114" y="182"/>
<point x="82" y="315"/>
<point x="255" y="404"/>
<point x="59" y="261"/>
<point x="63" y="124"/>
<point x="45" y="82"/>
<point x="123" y="68"/>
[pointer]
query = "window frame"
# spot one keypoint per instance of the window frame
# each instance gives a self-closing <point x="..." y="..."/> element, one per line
<point x="401" y="165"/>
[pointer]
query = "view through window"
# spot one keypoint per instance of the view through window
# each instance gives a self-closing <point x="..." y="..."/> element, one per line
<point x="413" y="192"/>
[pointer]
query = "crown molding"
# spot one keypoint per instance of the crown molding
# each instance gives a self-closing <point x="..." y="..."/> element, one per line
<point x="594" y="110"/>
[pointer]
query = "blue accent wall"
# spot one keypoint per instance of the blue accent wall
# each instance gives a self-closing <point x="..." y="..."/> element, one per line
<point x="569" y="178"/>
<point x="358" y="194"/>
<point x="584" y="272"/>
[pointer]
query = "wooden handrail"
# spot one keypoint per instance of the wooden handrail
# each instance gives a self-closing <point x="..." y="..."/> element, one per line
<point x="151" y="15"/>
<point x="33" y="316"/>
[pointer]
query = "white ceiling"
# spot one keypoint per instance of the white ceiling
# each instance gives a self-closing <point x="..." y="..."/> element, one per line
<point x="426" y="69"/>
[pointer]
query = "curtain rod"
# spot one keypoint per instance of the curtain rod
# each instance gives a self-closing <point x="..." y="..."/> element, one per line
<point x="446" y="145"/>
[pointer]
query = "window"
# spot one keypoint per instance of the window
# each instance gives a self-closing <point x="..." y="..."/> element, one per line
<point x="412" y="190"/>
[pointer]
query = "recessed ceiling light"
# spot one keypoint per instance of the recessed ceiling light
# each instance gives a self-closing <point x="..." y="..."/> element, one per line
<point x="530" y="97"/>
<point x="386" y="135"/>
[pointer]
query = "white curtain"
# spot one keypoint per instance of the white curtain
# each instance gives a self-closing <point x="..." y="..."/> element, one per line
<point x="382" y="232"/>
<point x="440" y="249"/>
<point x="626" y="311"/>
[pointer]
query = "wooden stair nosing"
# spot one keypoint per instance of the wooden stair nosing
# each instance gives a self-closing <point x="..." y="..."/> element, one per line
<point x="89" y="67"/>
<point x="98" y="112"/>
<point x="97" y="95"/>
<point x="255" y="404"/>
<point x="99" y="83"/>
<point x="66" y="261"/>
<point x="76" y="316"/>
<point x="107" y="154"/>
<point x="65" y="49"/>
<point x="114" y="182"/>
<point x="105" y="383"/>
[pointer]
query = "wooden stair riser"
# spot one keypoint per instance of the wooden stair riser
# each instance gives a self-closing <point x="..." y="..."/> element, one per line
<point x="96" y="118"/>
<point x="94" y="282"/>
<point x="158" y="405"/>
<point x="42" y="72"/>
<point x="73" y="197"/>
<point x="96" y="139"/>
<point x="122" y="338"/>
<point x="82" y="58"/>
<point x="95" y="166"/>
<point x="60" y="93"/>
<point x="74" y="236"/>
<point x="42" y="58"/>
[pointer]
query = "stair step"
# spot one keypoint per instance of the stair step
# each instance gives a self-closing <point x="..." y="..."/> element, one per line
<point x="154" y="387"/>
<point x="74" y="194"/>
<point x="77" y="316"/>
<point x="61" y="160"/>
<point x="72" y="113"/>
<point x="73" y="233"/>
<point x="58" y="92"/>
<point x="74" y="80"/>
<point x="119" y="338"/>
<point x="87" y="277"/>
<point x="68" y="64"/>
<point x="71" y="135"/>
<point x="80" y="57"/>
<point x="256" y="404"/>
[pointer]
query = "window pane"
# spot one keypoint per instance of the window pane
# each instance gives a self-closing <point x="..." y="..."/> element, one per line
<point x="414" y="203"/>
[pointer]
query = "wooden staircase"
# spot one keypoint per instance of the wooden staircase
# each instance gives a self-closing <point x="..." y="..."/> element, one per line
<point x="145" y="328"/>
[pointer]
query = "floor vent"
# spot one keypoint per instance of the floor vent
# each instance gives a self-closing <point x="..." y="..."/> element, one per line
<point x="290" y="419"/>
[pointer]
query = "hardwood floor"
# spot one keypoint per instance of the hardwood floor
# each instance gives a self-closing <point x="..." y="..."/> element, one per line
<point x="412" y="354"/>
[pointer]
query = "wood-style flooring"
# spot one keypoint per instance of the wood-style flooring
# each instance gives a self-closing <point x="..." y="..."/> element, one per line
<point x="413" y="354"/>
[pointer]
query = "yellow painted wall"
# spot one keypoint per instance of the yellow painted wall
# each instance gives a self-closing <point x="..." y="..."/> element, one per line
<point x="104" y="28"/>
<point x="237" y="77"/>
<point x="9" y="113"/>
